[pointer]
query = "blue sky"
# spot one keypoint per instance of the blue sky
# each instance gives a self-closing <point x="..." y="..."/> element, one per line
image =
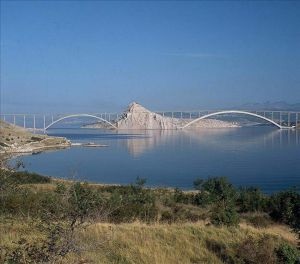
<point x="88" y="56"/>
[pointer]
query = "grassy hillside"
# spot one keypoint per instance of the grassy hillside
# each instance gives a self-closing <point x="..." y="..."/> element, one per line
<point x="52" y="221"/>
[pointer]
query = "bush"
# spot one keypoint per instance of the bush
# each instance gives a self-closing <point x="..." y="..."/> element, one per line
<point x="259" y="220"/>
<point x="250" y="199"/>
<point x="221" y="251"/>
<point x="254" y="251"/>
<point x="216" y="189"/>
<point x="82" y="202"/>
<point x="224" y="215"/>
<point x="25" y="177"/>
<point x="167" y="216"/>
<point x="285" y="207"/>
<point x="131" y="203"/>
<point x="287" y="254"/>
<point x="180" y="196"/>
<point x="221" y="196"/>
<point x="182" y="213"/>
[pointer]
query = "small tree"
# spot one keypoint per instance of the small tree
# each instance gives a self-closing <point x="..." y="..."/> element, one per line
<point x="220" y="195"/>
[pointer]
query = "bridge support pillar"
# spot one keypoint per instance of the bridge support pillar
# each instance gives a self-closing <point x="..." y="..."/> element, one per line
<point x="280" y="118"/>
<point x="44" y="123"/>
<point x="34" y="123"/>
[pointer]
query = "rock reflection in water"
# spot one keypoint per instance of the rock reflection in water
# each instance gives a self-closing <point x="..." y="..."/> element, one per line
<point x="238" y="138"/>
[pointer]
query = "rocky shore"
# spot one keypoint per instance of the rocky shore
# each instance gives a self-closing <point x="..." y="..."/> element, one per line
<point x="15" y="140"/>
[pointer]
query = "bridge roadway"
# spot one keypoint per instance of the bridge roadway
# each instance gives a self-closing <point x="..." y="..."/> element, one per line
<point x="280" y="119"/>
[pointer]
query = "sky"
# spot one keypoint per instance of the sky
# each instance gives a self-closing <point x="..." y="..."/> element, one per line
<point x="94" y="56"/>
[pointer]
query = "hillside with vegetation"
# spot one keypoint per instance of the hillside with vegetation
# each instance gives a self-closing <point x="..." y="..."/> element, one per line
<point x="43" y="220"/>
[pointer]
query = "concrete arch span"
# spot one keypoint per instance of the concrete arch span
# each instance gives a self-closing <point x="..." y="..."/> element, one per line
<point x="79" y="115"/>
<point x="234" y="112"/>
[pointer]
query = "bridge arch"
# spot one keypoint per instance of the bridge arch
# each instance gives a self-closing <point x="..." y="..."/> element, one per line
<point x="79" y="115"/>
<point x="234" y="112"/>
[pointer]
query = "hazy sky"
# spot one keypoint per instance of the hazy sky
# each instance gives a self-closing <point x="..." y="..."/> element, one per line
<point x="87" y="56"/>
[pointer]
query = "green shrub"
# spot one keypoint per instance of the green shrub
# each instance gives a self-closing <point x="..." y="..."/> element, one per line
<point x="224" y="215"/>
<point x="250" y="199"/>
<point x="25" y="177"/>
<point x="285" y="207"/>
<point x="221" y="196"/>
<point x="22" y="177"/>
<point x="131" y="203"/>
<point x="180" y="197"/>
<point x="287" y="254"/>
<point x="82" y="202"/>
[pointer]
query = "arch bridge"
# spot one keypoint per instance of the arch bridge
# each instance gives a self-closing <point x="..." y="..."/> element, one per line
<point x="79" y="115"/>
<point x="280" y="119"/>
<point x="238" y="112"/>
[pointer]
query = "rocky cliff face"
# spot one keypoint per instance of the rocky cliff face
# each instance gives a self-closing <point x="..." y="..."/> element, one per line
<point x="138" y="117"/>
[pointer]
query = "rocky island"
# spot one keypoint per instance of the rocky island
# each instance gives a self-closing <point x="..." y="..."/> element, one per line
<point x="138" y="117"/>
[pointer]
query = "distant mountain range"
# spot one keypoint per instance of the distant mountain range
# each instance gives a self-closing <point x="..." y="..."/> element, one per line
<point x="281" y="105"/>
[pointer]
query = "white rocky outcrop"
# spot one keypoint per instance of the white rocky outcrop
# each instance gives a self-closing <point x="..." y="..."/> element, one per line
<point x="138" y="117"/>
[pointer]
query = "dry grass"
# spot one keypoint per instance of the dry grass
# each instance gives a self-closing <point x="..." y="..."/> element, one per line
<point x="142" y="243"/>
<point x="11" y="231"/>
<point x="162" y="243"/>
<point x="280" y="231"/>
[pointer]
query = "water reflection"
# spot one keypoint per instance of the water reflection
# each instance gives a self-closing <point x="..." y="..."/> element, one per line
<point x="148" y="140"/>
<point x="214" y="138"/>
<point x="262" y="156"/>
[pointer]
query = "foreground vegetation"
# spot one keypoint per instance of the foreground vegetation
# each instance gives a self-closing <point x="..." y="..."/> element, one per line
<point x="49" y="221"/>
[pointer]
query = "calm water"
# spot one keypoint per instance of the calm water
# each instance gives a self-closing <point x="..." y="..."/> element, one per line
<point x="259" y="156"/>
